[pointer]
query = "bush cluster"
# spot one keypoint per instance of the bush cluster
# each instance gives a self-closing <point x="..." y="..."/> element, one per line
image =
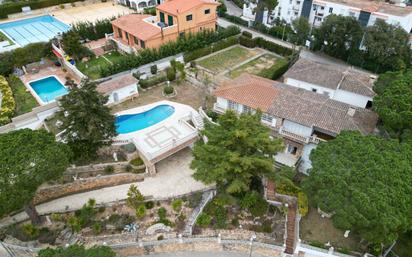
<point x="15" y="7"/>
<point x="93" y="31"/>
<point x="247" y="34"/>
<point x="150" y="82"/>
<point x="168" y="90"/>
<point x="276" y="70"/>
<point x="7" y="102"/>
<point x="247" y="41"/>
<point x="254" y="203"/>
<point x="235" y="19"/>
<point x="286" y="186"/>
<point x="222" y="44"/>
<point x="150" y="10"/>
<point x="22" y="56"/>
<point x="192" y="41"/>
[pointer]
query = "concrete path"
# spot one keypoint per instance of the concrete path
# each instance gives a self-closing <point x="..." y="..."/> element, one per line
<point x="204" y="254"/>
<point x="233" y="9"/>
<point x="174" y="178"/>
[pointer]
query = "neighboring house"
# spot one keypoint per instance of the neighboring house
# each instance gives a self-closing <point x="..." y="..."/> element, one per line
<point x="302" y="118"/>
<point x="140" y="5"/>
<point x="174" y="18"/>
<point x="344" y="85"/>
<point x="366" y="11"/>
<point x="119" y="89"/>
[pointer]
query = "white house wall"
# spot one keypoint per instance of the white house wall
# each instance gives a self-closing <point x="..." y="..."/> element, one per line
<point x="351" y="98"/>
<point x="221" y="102"/>
<point x="305" y="163"/>
<point x="123" y="93"/>
<point x="297" y="128"/>
<point x="309" y="86"/>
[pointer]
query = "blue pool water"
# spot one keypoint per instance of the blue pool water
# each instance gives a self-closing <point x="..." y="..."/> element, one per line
<point x="133" y="122"/>
<point x="32" y="30"/>
<point x="48" y="88"/>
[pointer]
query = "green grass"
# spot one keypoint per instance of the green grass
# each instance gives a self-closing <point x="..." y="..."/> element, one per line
<point x="255" y="66"/>
<point x="25" y="102"/>
<point x="92" y="67"/>
<point x="226" y="59"/>
<point x="3" y="37"/>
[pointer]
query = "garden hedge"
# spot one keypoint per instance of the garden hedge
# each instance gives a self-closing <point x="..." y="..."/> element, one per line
<point x="150" y="82"/>
<point x="7" y="102"/>
<point x="246" y="41"/>
<point x="93" y="31"/>
<point x="276" y="70"/>
<point x="286" y="187"/>
<point x="247" y="34"/>
<point x="15" y="7"/>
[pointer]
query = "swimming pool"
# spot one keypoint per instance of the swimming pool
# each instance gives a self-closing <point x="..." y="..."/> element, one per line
<point x="133" y="122"/>
<point x="48" y="89"/>
<point x="32" y="30"/>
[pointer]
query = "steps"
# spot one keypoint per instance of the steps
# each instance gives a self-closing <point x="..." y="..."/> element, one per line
<point x="206" y="197"/>
<point x="198" y="121"/>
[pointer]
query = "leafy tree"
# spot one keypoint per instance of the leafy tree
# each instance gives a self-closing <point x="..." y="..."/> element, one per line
<point x="301" y="27"/>
<point x="78" y="251"/>
<point x="388" y="46"/>
<point x="28" y="159"/>
<point x="342" y="34"/>
<point x="73" y="47"/>
<point x="263" y="5"/>
<point x="394" y="103"/>
<point x="366" y="182"/>
<point x="237" y="149"/>
<point x="87" y="122"/>
<point x="384" y="80"/>
<point x="134" y="197"/>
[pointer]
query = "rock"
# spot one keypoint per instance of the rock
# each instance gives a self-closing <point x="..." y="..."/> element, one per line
<point x="158" y="227"/>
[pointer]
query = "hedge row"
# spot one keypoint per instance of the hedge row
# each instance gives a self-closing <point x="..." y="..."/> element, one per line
<point x="22" y="56"/>
<point x="7" y="102"/>
<point x="15" y="7"/>
<point x="183" y="44"/>
<point x="150" y="82"/>
<point x="235" y="19"/>
<point x="268" y="45"/>
<point x="288" y="188"/>
<point x="276" y="70"/>
<point x="93" y="31"/>
<point x="225" y="43"/>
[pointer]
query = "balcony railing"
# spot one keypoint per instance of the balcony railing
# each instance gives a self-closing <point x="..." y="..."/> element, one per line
<point x="218" y="109"/>
<point x="304" y="139"/>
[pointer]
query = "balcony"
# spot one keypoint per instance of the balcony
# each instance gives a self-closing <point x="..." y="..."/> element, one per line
<point x="299" y="138"/>
<point x="218" y="108"/>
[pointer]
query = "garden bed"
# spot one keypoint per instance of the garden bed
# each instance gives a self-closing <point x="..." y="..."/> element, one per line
<point x="92" y="67"/>
<point x="25" y="101"/>
<point x="255" y="66"/>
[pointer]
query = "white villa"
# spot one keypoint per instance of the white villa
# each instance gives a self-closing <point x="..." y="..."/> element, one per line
<point x="302" y="118"/>
<point x="165" y="137"/>
<point x="140" y="5"/>
<point x="344" y="85"/>
<point x="119" y="89"/>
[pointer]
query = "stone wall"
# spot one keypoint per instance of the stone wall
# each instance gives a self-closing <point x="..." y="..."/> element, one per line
<point x="49" y="193"/>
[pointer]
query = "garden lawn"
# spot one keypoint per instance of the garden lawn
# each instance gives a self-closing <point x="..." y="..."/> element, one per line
<point x="92" y="67"/>
<point x="25" y="102"/>
<point x="227" y="59"/>
<point x="255" y="66"/>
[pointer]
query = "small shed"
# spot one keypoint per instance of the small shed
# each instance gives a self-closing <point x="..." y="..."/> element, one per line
<point x="119" y="88"/>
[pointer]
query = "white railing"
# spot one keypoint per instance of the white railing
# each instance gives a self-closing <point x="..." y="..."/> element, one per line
<point x="292" y="135"/>
<point x="122" y="46"/>
<point x="67" y="64"/>
<point x="218" y="109"/>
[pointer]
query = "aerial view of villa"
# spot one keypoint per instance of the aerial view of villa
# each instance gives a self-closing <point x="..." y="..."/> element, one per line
<point x="230" y="128"/>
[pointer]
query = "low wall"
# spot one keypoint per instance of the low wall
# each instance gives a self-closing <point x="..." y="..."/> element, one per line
<point x="49" y="193"/>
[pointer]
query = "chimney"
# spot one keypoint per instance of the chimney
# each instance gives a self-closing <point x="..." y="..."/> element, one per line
<point x="372" y="79"/>
<point x="351" y="111"/>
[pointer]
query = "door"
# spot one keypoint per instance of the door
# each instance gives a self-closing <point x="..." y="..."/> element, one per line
<point x="115" y="97"/>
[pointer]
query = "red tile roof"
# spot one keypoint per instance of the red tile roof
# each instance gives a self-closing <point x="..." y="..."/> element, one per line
<point x="135" y="25"/>
<point x="247" y="90"/>
<point x="180" y="6"/>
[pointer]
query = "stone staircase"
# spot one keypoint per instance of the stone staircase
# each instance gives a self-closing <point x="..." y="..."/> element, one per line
<point x="198" y="121"/>
<point x="7" y="250"/>
<point x="206" y="197"/>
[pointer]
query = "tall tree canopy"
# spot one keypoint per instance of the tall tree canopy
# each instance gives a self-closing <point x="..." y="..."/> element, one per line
<point x="388" y="46"/>
<point x="261" y="6"/>
<point x="28" y="159"/>
<point x="394" y="102"/>
<point x="302" y="29"/>
<point x="78" y="251"/>
<point x="237" y="150"/>
<point x="338" y="36"/>
<point x="87" y="122"/>
<point x="366" y="181"/>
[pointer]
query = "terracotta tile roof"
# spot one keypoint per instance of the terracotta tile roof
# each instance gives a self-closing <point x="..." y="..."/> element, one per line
<point x="373" y="6"/>
<point x="331" y="77"/>
<point x="116" y="83"/>
<point x="180" y="6"/>
<point x="249" y="91"/>
<point x="135" y="25"/>
<point x="297" y="105"/>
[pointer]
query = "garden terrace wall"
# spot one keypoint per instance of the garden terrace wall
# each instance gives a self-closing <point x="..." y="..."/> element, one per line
<point x="45" y="194"/>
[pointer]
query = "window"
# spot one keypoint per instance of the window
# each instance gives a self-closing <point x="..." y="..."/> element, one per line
<point x="189" y="17"/>
<point x="142" y="44"/>
<point x="266" y="117"/>
<point x="119" y="32"/>
<point x="232" y="105"/>
<point x="207" y="11"/>
<point x="162" y="17"/>
<point x="322" y="8"/>
<point x="330" y="10"/>
<point x="136" y="41"/>
<point x="127" y="36"/>
<point x="247" y="109"/>
<point x="314" y="90"/>
<point x="170" y="20"/>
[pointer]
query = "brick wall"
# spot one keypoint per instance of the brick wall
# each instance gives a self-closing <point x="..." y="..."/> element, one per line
<point x="53" y="192"/>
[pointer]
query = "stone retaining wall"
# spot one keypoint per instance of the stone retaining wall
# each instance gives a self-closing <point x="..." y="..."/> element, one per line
<point x="53" y="192"/>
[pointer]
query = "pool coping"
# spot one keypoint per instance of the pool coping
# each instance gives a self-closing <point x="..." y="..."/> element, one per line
<point x="37" y="97"/>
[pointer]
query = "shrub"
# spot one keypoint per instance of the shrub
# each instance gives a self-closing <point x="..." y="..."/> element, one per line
<point x="203" y="220"/>
<point x="30" y="231"/>
<point x="101" y="209"/>
<point x="146" y="83"/>
<point x="248" y="42"/>
<point x="267" y="226"/>
<point x="235" y="222"/>
<point x="74" y="224"/>
<point x="141" y="211"/>
<point x="171" y="74"/>
<point x="221" y="217"/>
<point x="7" y="103"/>
<point x="235" y="19"/>
<point x="303" y="205"/>
<point x="177" y="205"/>
<point x="97" y="228"/>
<point x="109" y="169"/>
<point x="255" y="203"/>
<point x="162" y="213"/>
<point x="194" y="199"/>
<point x="168" y="90"/>
<point x="56" y="217"/>
<point x="276" y="70"/>
<point x="137" y="161"/>
<point x="93" y="31"/>
<point x="161" y="237"/>
<point x="149" y="205"/>
<point x="273" y="47"/>
<point x="150" y="10"/>
<point x="153" y="69"/>
<point x="247" y="34"/>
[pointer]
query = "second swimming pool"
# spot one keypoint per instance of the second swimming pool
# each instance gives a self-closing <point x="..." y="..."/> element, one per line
<point x="48" y="89"/>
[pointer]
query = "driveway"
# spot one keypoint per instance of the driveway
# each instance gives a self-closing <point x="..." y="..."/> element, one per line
<point x="174" y="178"/>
